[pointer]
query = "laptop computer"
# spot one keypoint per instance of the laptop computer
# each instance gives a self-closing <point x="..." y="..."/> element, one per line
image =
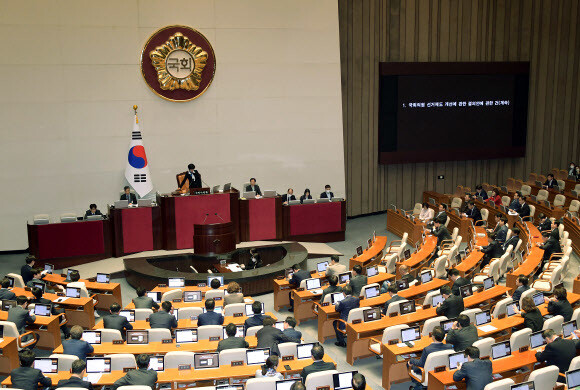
<point x="156" y="296"/>
<point x="42" y="310"/>
<point x="336" y="297"/>
<point x="227" y="187"/>
<point x="436" y="299"/>
<point x="176" y="282"/>
<point x="7" y="304"/>
<point x="537" y="340"/>
<point x="185" y="336"/>
<point x="96" y="367"/>
<point x="488" y="283"/>
<point x="500" y="350"/>
<point x="49" y="268"/>
<point x="457" y="358"/>
<point x="240" y="332"/>
<point x="372" y="314"/>
<point x="568" y="328"/>
<point x="426" y="277"/>
<point x="206" y="360"/>
<point x="482" y="318"/>
<point x="128" y="314"/>
<point x="73" y="292"/>
<point x="249" y="195"/>
<point x="303" y="351"/>
<point x="466" y="291"/>
<point x="257" y="355"/>
<point x="372" y="292"/>
<point x="157" y="363"/>
<point x="269" y="194"/>
<point x="121" y="204"/>
<point x="144" y="202"/>
<point x="410" y="334"/>
<point x="286" y="384"/>
<point x="343" y="380"/>
<point x="70" y="271"/>
<point x="447" y="324"/>
<point x="215" y="189"/>
<point x="137" y="337"/>
<point x="372" y="271"/>
<point x="103" y="278"/>
<point x="407" y="307"/>
<point x="344" y="277"/>
<point x="46" y="365"/>
<point x="192" y="296"/>
<point x="40" y="286"/>
<point x="217" y="309"/>
<point x="250" y="312"/>
<point x="92" y="336"/>
<point x="279" y="325"/>
<point x="524" y="386"/>
<point x="573" y="379"/>
<point x="321" y="267"/>
<point x="509" y="308"/>
<point x="538" y="298"/>
<point x="402" y="285"/>
<point x="313" y="285"/>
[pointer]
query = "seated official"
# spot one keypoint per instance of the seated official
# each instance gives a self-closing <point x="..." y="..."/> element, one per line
<point x="116" y="321"/>
<point x="128" y="196"/>
<point x="571" y="169"/>
<point x="289" y="331"/>
<point x="92" y="210"/>
<point x="305" y="196"/>
<point x="473" y="212"/>
<point x="437" y="336"/>
<point x="288" y="196"/>
<point x="298" y="385"/>
<point x="26" y="271"/>
<point x="479" y="191"/>
<point x="499" y="232"/>
<point x="521" y="286"/>
<point x="558" y="351"/>
<point x="476" y="372"/>
<point x="358" y="382"/>
<point x="493" y="250"/>
<point x="255" y="260"/>
<point x="332" y="288"/>
<point x="551" y="245"/>
<point x="318" y="365"/>
<point x="270" y="336"/>
<point x="20" y="315"/>
<point x="75" y="345"/>
<point x="297" y="277"/>
<point x="77" y="371"/>
<point x="524" y="210"/>
<point x="405" y="274"/>
<point x="464" y="205"/>
<point x="192" y="176"/>
<point x="142" y="376"/>
<point x="559" y="305"/>
<point x="457" y="280"/>
<point x="38" y="299"/>
<point x="462" y="334"/>
<point x="441" y="215"/>
<point x="210" y="317"/>
<point x="334" y="267"/>
<point x="268" y="370"/>
<point x="358" y="280"/>
<point x="5" y="292"/>
<point x="143" y="301"/>
<point x="37" y="279"/>
<point x="513" y="240"/>
<point x="531" y="314"/>
<point x="26" y="377"/>
<point x="440" y="231"/>
<point x="495" y="197"/>
<point x="215" y="284"/>
<point x="394" y="297"/>
<point x="163" y="318"/>
<point x="254" y="187"/>
<point x="327" y="194"/>
<point x="257" y="319"/>
<point x="555" y="233"/>
<point x="75" y="278"/>
<point x="515" y="204"/>
<point x="426" y="215"/>
<point x="550" y="181"/>
<point x="234" y="294"/>
<point x="545" y="223"/>
<point x="344" y="307"/>
<point x="232" y="341"/>
<point x="452" y="304"/>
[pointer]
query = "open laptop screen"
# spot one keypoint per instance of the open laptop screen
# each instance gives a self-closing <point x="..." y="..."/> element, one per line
<point x="206" y="360"/>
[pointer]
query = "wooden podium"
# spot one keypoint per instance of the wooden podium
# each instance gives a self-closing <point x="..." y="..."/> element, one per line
<point x="214" y="238"/>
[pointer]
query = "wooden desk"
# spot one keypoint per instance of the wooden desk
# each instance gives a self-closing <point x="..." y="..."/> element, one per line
<point x="201" y="304"/>
<point x="8" y="355"/>
<point x="438" y="197"/>
<point x="420" y="258"/>
<point x="136" y="229"/>
<point x="316" y="222"/>
<point x="371" y="254"/>
<point x="398" y="225"/>
<point x="79" y="311"/>
<point x="470" y="264"/>
<point x="47" y="328"/>
<point x="573" y="230"/>
<point x="107" y="293"/>
<point x="261" y="219"/>
<point x="550" y="212"/>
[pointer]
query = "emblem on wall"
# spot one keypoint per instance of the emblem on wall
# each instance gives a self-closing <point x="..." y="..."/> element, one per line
<point x="178" y="63"/>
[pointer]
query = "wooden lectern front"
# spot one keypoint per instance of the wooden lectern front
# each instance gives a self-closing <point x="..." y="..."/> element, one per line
<point x="214" y="238"/>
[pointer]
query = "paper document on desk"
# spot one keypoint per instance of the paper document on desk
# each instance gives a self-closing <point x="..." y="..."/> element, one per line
<point x="234" y="267"/>
<point x="487" y="328"/>
<point x="480" y="234"/>
<point x="248" y="300"/>
<point x="93" y="377"/>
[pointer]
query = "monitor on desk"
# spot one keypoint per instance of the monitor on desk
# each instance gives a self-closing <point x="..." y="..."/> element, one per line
<point x="313" y="284"/>
<point x="482" y="318"/>
<point x="42" y="310"/>
<point x="410" y="334"/>
<point x="156" y="296"/>
<point x="206" y="360"/>
<point x="402" y="285"/>
<point x="7" y="304"/>
<point x="372" y="314"/>
<point x="447" y="324"/>
<point x="40" y="286"/>
<point x="249" y="194"/>
<point x="217" y="309"/>
<point x="257" y="355"/>
<point x="537" y="340"/>
<point x="10" y="281"/>
<point x="372" y="271"/>
<point x="128" y="314"/>
<point x="538" y="298"/>
<point x="344" y="277"/>
<point x="568" y="328"/>
<point x="97" y="217"/>
<point x="73" y="292"/>
<point x="250" y="312"/>
<point x="457" y="358"/>
<point x="121" y="204"/>
<point x="500" y="350"/>
<point x="279" y="325"/>
<point x="103" y="278"/>
<point x="157" y="363"/>
<point x="92" y="336"/>
<point x="49" y="268"/>
<point x="144" y="202"/>
<point x="407" y="307"/>
<point x="359" y="250"/>
<point x="137" y="337"/>
<point x="510" y="310"/>
<point x="98" y="365"/>
<point x="407" y="254"/>
<point x="436" y="299"/>
<point x="336" y="297"/>
<point x="176" y="282"/>
<point x="192" y="296"/>
<point x="372" y="292"/>
<point x="69" y="271"/>
<point x="573" y="379"/>
<point x="466" y="291"/>
<point x="185" y="336"/>
<point x="343" y="380"/>
<point x="303" y="351"/>
<point x="322" y="266"/>
<point x="488" y="283"/>
<point x="240" y="332"/>
<point x="46" y="365"/>
<point x="227" y="187"/>
<point x="286" y="384"/>
<point x="426" y="277"/>
<point x="523" y="386"/>
<point x="220" y="278"/>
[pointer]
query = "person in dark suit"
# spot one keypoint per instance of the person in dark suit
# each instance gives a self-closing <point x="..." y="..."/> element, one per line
<point x="327" y="194"/>
<point x="142" y="376"/>
<point x="26" y="270"/>
<point x="524" y="210"/>
<point x="513" y="240"/>
<point x="20" y="315"/>
<point x="457" y="280"/>
<point x="545" y="223"/>
<point x="270" y="336"/>
<point x="116" y="321"/>
<point x="436" y="345"/>
<point x="75" y="345"/>
<point x="5" y="292"/>
<point x="358" y="382"/>
<point x="257" y="319"/>
<point x="555" y="233"/>
<point x="394" y="297"/>
<point x="318" y="365"/>
<point x="288" y="196"/>
<point x="492" y="251"/>
<point x="492" y="232"/>
<point x="462" y="334"/>
<point x="441" y="215"/>
<point x="501" y="234"/>
<point x="559" y="305"/>
<point x="193" y="176"/>
<point x="550" y="181"/>
<point x="476" y="372"/>
<point x="515" y="204"/>
<point x="26" y="377"/>
<point x="232" y="341"/>
<point x="290" y="331"/>
<point x="297" y="277"/>
<point x="532" y="317"/>
<point x="37" y="279"/>
<point x="440" y="231"/>
<point x="132" y="198"/>
<point x="78" y="369"/>
<point x="405" y="274"/>
<point x="305" y="196"/>
<point x="253" y="187"/>
<point x="358" y="281"/>
<point x="210" y="317"/>
<point x="143" y="301"/>
<point x="521" y="286"/>
<point x="479" y="191"/>
<point x="163" y="318"/>
<point x="37" y="293"/>
<point x="550" y="245"/>
<point x="92" y="210"/>
<point x="343" y="308"/>
<point x="452" y="304"/>
<point x="332" y="287"/>
<point x="255" y="260"/>
<point x="558" y="352"/>
<point x="473" y="212"/>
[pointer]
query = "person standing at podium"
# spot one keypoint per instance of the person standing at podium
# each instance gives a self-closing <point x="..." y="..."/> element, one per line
<point x="193" y="176"/>
<point x="253" y="187"/>
<point x="132" y="198"/>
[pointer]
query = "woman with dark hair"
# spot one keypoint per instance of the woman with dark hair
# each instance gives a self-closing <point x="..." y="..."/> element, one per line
<point x="268" y="370"/>
<point x="532" y="317"/>
<point x="495" y="197"/>
<point x="559" y="305"/>
<point x="305" y="196"/>
<point x="427" y="213"/>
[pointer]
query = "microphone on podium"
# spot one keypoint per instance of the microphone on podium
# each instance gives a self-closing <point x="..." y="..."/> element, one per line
<point x="206" y="215"/>
<point x="217" y="215"/>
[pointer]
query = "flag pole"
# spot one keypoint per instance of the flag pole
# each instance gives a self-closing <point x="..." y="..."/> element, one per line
<point x="135" y="109"/>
